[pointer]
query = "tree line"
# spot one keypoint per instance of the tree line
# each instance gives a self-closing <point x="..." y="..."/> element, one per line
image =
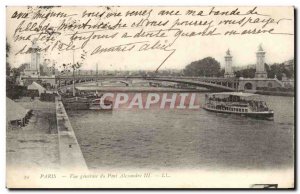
<point x="210" y="67"/>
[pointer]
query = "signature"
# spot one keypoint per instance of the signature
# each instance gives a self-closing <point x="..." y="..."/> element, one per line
<point x="138" y="46"/>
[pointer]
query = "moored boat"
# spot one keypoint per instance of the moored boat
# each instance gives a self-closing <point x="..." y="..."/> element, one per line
<point x="80" y="103"/>
<point x="98" y="104"/>
<point x="76" y="103"/>
<point x="240" y="103"/>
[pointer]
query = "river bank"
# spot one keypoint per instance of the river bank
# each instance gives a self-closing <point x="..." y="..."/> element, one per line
<point x="275" y="93"/>
<point x="36" y="144"/>
<point x="166" y="89"/>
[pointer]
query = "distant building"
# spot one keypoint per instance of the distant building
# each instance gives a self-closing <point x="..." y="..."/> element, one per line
<point x="228" y="65"/>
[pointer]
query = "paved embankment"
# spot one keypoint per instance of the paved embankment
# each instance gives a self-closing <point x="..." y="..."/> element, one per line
<point x="34" y="145"/>
<point x="69" y="150"/>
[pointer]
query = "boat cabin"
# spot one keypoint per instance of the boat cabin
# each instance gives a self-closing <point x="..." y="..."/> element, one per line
<point x="235" y="102"/>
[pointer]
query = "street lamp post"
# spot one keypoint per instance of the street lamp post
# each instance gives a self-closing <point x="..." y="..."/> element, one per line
<point x="97" y="74"/>
<point x="73" y="67"/>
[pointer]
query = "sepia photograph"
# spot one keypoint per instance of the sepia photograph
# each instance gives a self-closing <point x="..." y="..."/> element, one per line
<point x="172" y="97"/>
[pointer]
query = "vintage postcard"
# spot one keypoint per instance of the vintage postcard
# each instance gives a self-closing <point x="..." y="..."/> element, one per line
<point x="150" y="97"/>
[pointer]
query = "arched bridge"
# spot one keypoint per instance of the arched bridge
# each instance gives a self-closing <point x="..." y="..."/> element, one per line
<point x="206" y="83"/>
<point x="214" y="83"/>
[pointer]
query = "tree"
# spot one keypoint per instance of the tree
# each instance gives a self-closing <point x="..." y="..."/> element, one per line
<point x="17" y="71"/>
<point x="7" y="48"/>
<point x="7" y="54"/>
<point x="279" y="70"/>
<point x="246" y="73"/>
<point x="205" y="67"/>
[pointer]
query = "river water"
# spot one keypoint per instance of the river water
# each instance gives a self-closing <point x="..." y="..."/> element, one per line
<point x="158" y="139"/>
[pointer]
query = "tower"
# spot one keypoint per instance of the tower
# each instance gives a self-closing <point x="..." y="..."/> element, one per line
<point x="228" y="65"/>
<point x="260" y="63"/>
<point x="34" y="66"/>
<point x="35" y="57"/>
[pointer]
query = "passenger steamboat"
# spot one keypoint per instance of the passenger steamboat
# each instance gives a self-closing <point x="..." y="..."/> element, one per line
<point x="240" y="103"/>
